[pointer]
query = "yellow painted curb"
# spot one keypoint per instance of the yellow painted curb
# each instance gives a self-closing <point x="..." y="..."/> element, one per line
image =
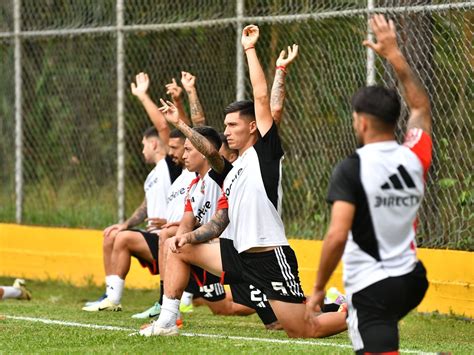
<point x="75" y="255"/>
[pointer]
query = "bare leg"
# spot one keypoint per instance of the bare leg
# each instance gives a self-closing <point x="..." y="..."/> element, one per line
<point x="129" y="243"/>
<point x="291" y="317"/>
<point x="107" y="247"/>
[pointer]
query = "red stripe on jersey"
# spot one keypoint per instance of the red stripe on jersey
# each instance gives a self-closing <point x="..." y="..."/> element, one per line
<point x="420" y="143"/>
<point x="222" y="203"/>
<point x="187" y="206"/>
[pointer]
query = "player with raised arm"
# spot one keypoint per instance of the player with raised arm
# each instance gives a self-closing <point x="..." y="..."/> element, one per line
<point x="258" y="253"/>
<point x="176" y="93"/>
<point x="120" y="243"/>
<point x="375" y="195"/>
<point x="197" y="113"/>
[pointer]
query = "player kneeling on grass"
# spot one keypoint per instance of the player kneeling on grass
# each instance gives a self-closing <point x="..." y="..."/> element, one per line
<point x="375" y="195"/>
<point x="258" y="252"/>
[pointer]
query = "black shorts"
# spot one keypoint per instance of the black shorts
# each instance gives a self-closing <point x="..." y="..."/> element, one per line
<point x="274" y="272"/>
<point x="252" y="297"/>
<point x="206" y="285"/>
<point x="374" y="312"/>
<point x="152" y="241"/>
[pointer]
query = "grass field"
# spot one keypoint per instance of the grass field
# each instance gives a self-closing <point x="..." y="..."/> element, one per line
<point x="23" y="328"/>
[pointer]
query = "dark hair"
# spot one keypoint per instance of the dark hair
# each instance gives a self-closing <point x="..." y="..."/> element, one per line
<point x="378" y="101"/>
<point x="176" y="133"/>
<point x="210" y="134"/>
<point x="151" y="132"/>
<point x="245" y="108"/>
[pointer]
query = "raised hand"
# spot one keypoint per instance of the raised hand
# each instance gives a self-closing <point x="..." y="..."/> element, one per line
<point x="170" y="112"/>
<point x="174" y="90"/>
<point x="250" y="36"/>
<point x="141" y="87"/>
<point x="386" y="36"/>
<point x="292" y="54"/>
<point x="188" y="80"/>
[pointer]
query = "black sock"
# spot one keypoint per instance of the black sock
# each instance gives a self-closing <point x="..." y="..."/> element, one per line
<point x="161" y="293"/>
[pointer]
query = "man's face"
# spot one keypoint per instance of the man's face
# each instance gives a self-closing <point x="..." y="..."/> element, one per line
<point x="193" y="160"/>
<point x="176" y="150"/>
<point x="149" y="146"/>
<point x="239" y="131"/>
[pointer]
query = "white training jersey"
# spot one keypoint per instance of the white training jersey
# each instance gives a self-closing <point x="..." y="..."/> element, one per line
<point x="252" y="193"/>
<point x="156" y="187"/>
<point x="177" y="195"/>
<point x="385" y="182"/>
<point x="204" y="193"/>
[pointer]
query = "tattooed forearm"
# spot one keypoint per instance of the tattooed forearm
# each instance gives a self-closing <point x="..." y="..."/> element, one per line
<point x="210" y="230"/>
<point x="203" y="146"/>
<point x="138" y="216"/>
<point x="197" y="113"/>
<point x="277" y="98"/>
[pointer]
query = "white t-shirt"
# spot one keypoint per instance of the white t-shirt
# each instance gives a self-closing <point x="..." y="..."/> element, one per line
<point x="177" y="195"/>
<point x="252" y="193"/>
<point x="385" y="182"/>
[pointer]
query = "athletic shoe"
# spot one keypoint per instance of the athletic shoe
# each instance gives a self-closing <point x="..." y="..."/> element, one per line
<point x="151" y="312"/>
<point x="104" y="305"/>
<point x="179" y="324"/>
<point x="25" y="293"/>
<point x="91" y="303"/>
<point x="334" y="296"/>
<point x="154" y="330"/>
<point x="185" y="309"/>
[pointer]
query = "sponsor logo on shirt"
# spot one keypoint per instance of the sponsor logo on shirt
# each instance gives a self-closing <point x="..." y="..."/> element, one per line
<point x="201" y="212"/>
<point x="150" y="184"/>
<point x="236" y="176"/>
<point x="176" y="193"/>
<point x="395" y="183"/>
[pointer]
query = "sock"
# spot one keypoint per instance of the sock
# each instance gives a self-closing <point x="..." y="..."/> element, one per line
<point x="161" y="292"/>
<point x="107" y="282"/>
<point x="115" y="289"/>
<point x="187" y="298"/>
<point x="11" y="292"/>
<point x="169" y="313"/>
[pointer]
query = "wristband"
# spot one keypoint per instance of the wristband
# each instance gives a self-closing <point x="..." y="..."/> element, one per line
<point x="248" y="48"/>
<point x="281" y="67"/>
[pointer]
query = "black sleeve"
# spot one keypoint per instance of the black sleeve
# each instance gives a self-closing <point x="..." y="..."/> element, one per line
<point x="345" y="181"/>
<point x="269" y="146"/>
<point x="220" y="177"/>
<point x="174" y="169"/>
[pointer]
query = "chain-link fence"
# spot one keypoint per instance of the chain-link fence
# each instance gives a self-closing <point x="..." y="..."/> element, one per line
<point x="70" y="131"/>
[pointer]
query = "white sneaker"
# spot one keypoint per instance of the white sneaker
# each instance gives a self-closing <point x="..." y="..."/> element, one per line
<point x="151" y="312"/>
<point x="154" y="330"/>
<point x="104" y="305"/>
<point x="90" y="303"/>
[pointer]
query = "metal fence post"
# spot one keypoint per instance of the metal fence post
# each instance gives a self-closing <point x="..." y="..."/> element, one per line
<point x="370" y="52"/>
<point x="18" y="113"/>
<point x="120" y="114"/>
<point x="239" y="52"/>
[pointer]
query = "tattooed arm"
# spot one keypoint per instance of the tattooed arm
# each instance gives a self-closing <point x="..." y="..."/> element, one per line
<point x="277" y="97"/>
<point x="197" y="113"/>
<point x="137" y="217"/>
<point x="175" y="91"/>
<point x="208" y="231"/>
<point x="198" y="141"/>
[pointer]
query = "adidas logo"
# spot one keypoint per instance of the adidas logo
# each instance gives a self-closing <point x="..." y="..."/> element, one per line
<point x="394" y="180"/>
<point x="261" y="304"/>
<point x="395" y="183"/>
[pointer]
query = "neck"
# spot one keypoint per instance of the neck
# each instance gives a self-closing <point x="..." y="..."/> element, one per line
<point x="378" y="137"/>
<point x="250" y="143"/>
<point x="158" y="157"/>
<point x="204" y="169"/>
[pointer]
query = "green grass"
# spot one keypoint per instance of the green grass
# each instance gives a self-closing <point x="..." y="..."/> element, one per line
<point x="62" y="301"/>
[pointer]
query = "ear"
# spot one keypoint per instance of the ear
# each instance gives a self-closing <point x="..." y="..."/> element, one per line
<point x="253" y="126"/>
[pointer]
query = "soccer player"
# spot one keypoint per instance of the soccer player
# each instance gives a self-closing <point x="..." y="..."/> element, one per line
<point x="143" y="245"/>
<point x="375" y="195"/>
<point x="18" y="291"/>
<point x="258" y="253"/>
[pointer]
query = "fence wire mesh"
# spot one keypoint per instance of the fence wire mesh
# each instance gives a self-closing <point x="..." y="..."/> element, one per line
<point x="69" y="98"/>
